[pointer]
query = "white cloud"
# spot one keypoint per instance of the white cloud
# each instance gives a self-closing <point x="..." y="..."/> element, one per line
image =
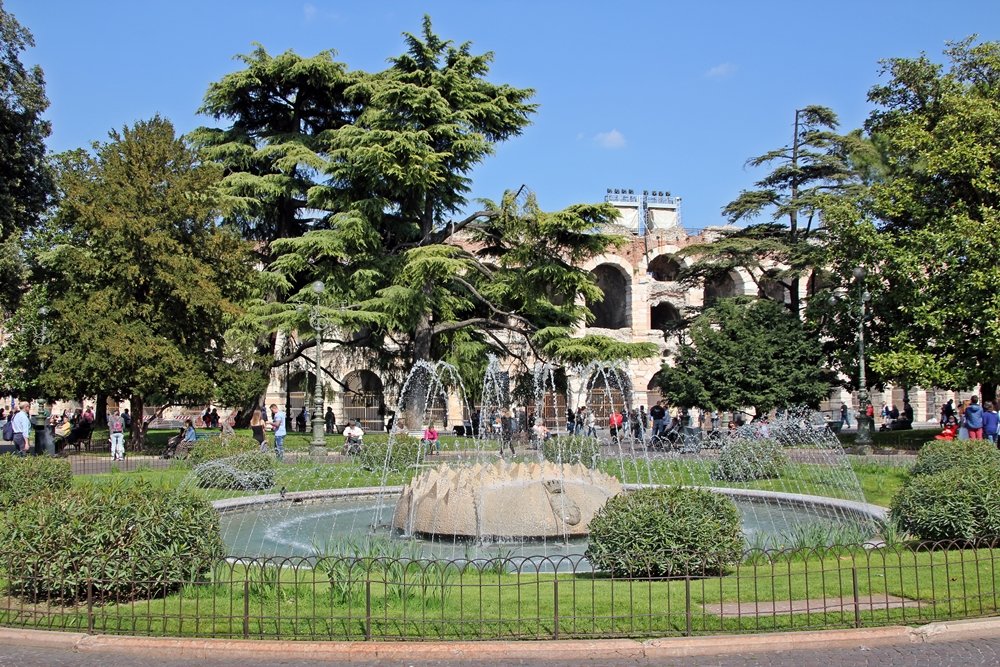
<point x="309" y="11"/>
<point x="610" y="140"/>
<point x="721" y="71"/>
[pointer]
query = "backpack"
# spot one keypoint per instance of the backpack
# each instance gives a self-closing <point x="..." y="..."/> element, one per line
<point x="8" y="430"/>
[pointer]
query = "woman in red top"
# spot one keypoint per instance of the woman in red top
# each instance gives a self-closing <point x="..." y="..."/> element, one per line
<point x="950" y="431"/>
<point x="430" y="440"/>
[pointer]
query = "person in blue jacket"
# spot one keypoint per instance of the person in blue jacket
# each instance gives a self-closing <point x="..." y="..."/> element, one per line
<point x="974" y="419"/>
<point x="991" y="422"/>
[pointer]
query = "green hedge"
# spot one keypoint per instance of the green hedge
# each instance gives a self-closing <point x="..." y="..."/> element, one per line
<point x="746" y="459"/>
<point x="24" y="477"/>
<point x="940" y="455"/>
<point x="959" y="503"/>
<point x="131" y="540"/>
<point x="572" y="449"/>
<point x="661" y="531"/>
<point x="252" y="471"/>
<point x="376" y="454"/>
<point x="218" y="447"/>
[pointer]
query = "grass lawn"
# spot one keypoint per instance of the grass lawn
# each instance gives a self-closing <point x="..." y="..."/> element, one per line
<point x="448" y="602"/>
<point x="344" y="599"/>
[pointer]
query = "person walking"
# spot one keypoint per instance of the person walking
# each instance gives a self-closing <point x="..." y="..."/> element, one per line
<point x="330" y="421"/>
<point x="591" y="424"/>
<point x="21" y="422"/>
<point x="845" y="422"/>
<point x="257" y="430"/>
<point x="507" y="431"/>
<point x="278" y="426"/>
<point x="974" y="419"/>
<point x="116" y="427"/>
<point x="570" y="420"/>
<point x="991" y="422"/>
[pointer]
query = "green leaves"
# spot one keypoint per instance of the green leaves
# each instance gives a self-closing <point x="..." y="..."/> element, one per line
<point x="141" y="284"/>
<point x="746" y="354"/>
<point x="935" y="262"/>
<point x="25" y="179"/>
<point x="666" y="531"/>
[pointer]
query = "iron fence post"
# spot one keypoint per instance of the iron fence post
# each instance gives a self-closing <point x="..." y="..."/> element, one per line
<point x="246" y="604"/>
<point x="687" y="605"/>
<point x="555" y="607"/>
<point x="368" y="609"/>
<point x="90" y="606"/>
<point x="857" y="602"/>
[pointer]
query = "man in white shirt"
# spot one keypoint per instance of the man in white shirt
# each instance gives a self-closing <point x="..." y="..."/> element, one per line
<point x="278" y="425"/>
<point x="352" y="437"/>
<point x="22" y="428"/>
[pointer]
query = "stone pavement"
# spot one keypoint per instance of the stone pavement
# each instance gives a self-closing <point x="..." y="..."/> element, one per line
<point x="975" y="642"/>
<point x="965" y="652"/>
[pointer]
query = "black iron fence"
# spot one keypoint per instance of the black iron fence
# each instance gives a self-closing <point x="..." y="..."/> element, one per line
<point x="383" y="598"/>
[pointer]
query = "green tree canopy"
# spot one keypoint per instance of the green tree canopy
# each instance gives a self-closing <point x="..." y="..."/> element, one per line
<point x="747" y="354"/>
<point x="381" y="214"/>
<point x="808" y="175"/>
<point x="931" y="239"/>
<point x="139" y="282"/>
<point x="25" y="177"/>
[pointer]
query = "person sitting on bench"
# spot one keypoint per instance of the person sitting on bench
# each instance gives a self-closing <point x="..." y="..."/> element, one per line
<point x="352" y="437"/>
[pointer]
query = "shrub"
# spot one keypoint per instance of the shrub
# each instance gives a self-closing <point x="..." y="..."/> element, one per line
<point x="24" y="477"/>
<point x="746" y="459"/>
<point x="404" y="452"/>
<point x="958" y="503"/>
<point x="251" y="471"/>
<point x="218" y="448"/>
<point x="132" y="540"/>
<point x="940" y="455"/>
<point x="572" y="449"/>
<point x="660" y="531"/>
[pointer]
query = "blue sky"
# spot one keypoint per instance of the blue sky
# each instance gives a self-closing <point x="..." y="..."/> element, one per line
<point x="660" y="95"/>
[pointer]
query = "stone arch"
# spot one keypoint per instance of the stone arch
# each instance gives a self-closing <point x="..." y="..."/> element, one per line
<point x="299" y="387"/>
<point x="653" y="392"/>
<point x="612" y="312"/>
<point x="769" y="287"/>
<point x="664" y="268"/>
<point x="664" y="316"/>
<point x="725" y="286"/>
<point x="607" y="391"/>
<point x="364" y="399"/>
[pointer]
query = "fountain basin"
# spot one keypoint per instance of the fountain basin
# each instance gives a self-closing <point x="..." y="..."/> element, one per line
<point x="272" y="526"/>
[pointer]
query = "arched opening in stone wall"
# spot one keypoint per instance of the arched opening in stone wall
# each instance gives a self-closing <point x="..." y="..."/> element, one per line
<point x="299" y="388"/>
<point x="722" y="287"/>
<point x="606" y="392"/>
<point x="769" y="287"/>
<point x="664" y="268"/>
<point x="665" y="317"/>
<point x="653" y="392"/>
<point x="612" y="311"/>
<point x="364" y="400"/>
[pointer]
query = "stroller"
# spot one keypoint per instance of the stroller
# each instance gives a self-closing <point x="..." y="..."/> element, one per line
<point x="173" y="444"/>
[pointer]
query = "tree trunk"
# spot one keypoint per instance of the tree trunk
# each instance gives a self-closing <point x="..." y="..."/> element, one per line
<point x="139" y="427"/>
<point x="989" y="391"/>
<point x="101" y="410"/>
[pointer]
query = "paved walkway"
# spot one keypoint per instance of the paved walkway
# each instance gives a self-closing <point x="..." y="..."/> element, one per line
<point x="965" y="652"/>
<point x="974" y="642"/>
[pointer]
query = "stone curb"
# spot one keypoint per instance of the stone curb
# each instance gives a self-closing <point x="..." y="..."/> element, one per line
<point x="565" y="650"/>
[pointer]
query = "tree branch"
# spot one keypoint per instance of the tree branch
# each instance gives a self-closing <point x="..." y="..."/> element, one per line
<point x="452" y="228"/>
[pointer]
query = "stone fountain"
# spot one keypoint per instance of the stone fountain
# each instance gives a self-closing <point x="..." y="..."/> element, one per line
<point x="504" y="500"/>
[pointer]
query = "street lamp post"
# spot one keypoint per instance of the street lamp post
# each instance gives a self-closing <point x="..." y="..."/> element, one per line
<point x="863" y="439"/>
<point x="864" y="436"/>
<point x="40" y="420"/>
<point x="317" y="447"/>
